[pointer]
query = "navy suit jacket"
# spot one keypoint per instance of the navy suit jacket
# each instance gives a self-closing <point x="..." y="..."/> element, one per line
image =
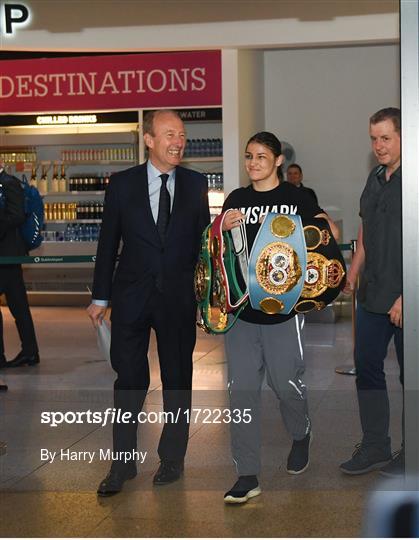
<point x="127" y="216"/>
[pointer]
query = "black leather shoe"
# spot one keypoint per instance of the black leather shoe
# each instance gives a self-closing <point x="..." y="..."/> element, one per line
<point x="3" y="386"/>
<point x="23" y="359"/>
<point x="113" y="483"/>
<point x="3" y="361"/>
<point x="168" y="472"/>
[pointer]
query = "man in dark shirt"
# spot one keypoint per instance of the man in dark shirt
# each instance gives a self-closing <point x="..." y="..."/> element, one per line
<point x="378" y="259"/>
<point x="295" y="176"/>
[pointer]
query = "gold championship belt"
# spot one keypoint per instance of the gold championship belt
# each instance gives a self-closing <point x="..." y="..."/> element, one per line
<point x="325" y="270"/>
<point x="295" y="266"/>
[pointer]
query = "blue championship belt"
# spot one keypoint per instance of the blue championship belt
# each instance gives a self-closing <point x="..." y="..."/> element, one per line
<point x="277" y="264"/>
<point x="294" y="267"/>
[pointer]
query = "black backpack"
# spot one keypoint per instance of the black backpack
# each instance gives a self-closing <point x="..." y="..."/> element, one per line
<point x="34" y="214"/>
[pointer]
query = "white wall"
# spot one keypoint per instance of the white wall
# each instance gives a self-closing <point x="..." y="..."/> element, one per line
<point x="251" y="101"/>
<point x="320" y="101"/>
<point x="243" y="109"/>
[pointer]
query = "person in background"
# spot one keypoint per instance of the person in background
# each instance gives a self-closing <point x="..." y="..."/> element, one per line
<point x="259" y="342"/>
<point x="295" y="176"/>
<point x="159" y="211"/>
<point x="378" y="261"/>
<point x="11" y="278"/>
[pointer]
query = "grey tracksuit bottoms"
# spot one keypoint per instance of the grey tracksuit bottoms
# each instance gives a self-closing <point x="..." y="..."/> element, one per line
<point x="252" y="349"/>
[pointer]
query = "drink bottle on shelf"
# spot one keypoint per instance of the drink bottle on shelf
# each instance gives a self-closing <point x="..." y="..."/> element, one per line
<point x="62" y="183"/>
<point x="43" y="182"/>
<point x="55" y="186"/>
<point x="34" y="179"/>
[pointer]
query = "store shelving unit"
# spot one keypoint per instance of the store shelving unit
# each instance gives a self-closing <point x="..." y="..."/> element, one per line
<point x="45" y="148"/>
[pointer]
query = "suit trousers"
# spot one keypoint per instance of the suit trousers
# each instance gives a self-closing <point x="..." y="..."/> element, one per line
<point x="13" y="286"/>
<point x="176" y="335"/>
<point x="373" y="334"/>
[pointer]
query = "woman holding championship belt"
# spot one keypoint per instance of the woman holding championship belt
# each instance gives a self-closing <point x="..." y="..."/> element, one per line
<point x="260" y="342"/>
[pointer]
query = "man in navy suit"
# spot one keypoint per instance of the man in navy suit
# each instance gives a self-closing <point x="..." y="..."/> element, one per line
<point x="159" y="211"/>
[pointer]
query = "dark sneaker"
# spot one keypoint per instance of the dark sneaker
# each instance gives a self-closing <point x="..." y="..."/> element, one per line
<point x="244" y="489"/>
<point x="298" y="459"/>
<point x="395" y="468"/>
<point x="365" y="459"/>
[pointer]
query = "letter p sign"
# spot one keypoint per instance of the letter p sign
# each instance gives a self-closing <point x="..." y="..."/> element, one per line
<point x="14" y="14"/>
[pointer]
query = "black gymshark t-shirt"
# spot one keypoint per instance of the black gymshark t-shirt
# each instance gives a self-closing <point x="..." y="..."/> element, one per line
<point x="284" y="199"/>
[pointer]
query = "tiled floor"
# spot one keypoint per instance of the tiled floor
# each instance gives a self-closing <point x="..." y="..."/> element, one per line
<point x="59" y="499"/>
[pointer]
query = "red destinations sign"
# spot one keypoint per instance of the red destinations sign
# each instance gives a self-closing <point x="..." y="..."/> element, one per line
<point x="126" y="81"/>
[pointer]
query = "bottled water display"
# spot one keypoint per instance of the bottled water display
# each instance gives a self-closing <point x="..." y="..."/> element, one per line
<point x="203" y="148"/>
<point x="74" y="232"/>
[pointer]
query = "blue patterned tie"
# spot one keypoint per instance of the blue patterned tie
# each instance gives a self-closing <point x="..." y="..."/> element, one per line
<point x="164" y="208"/>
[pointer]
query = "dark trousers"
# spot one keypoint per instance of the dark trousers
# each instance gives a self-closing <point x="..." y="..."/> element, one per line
<point x="373" y="334"/>
<point x="12" y="285"/>
<point x="176" y="336"/>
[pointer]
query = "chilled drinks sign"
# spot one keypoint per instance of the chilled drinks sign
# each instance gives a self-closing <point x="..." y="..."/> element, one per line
<point x="111" y="82"/>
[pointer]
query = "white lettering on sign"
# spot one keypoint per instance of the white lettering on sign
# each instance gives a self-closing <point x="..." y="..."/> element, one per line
<point x="63" y="119"/>
<point x="124" y="75"/>
<point x="177" y="81"/>
<point x="82" y="119"/>
<point x="23" y="86"/>
<point x="40" y="86"/>
<point x="201" y="79"/>
<point x="7" y="86"/>
<point x="107" y="83"/>
<point x="86" y="85"/>
<point x="161" y="77"/>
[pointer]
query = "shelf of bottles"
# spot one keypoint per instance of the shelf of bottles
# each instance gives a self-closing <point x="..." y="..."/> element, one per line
<point x="98" y="155"/>
<point x="74" y="211"/>
<point x="18" y="156"/>
<point x="59" y="184"/>
<point x="74" y="232"/>
<point x="203" y="150"/>
<point x="83" y="183"/>
<point x="76" y="221"/>
<point x="82" y="221"/>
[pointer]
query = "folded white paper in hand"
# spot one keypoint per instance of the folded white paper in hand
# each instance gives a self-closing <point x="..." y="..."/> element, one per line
<point x="104" y="340"/>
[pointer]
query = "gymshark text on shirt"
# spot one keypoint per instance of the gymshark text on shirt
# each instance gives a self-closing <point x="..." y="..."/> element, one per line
<point x="255" y="214"/>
